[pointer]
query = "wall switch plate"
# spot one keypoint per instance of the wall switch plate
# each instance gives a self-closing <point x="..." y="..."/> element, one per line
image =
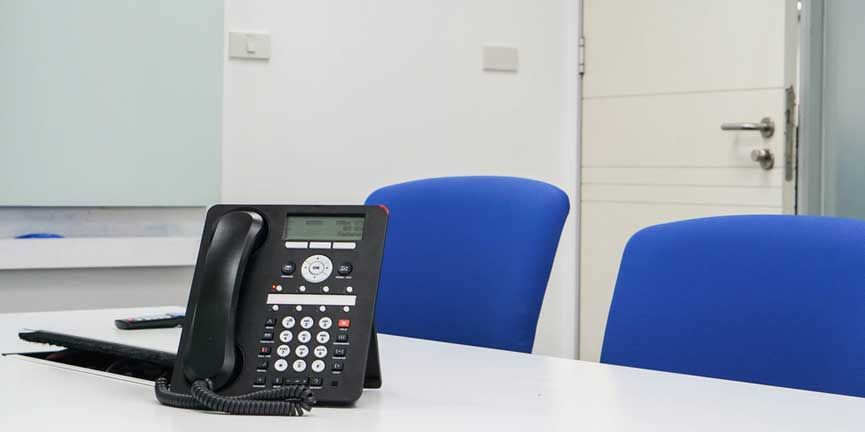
<point x="249" y="45"/>
<point x="501" y="59"/>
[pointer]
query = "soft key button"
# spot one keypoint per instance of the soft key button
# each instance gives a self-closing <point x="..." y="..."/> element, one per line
<point x="296" y="245"/>
<point x="344" y="245"/>
<point x="319" y="245"/>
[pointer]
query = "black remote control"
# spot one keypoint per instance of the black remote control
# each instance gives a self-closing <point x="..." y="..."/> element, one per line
<point x="163" y="320"/>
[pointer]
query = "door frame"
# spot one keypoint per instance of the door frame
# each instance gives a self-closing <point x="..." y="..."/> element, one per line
<point x="809" y="194"/>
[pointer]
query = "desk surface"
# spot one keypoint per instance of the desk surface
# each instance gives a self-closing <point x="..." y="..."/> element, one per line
<point x="428" y="386"/>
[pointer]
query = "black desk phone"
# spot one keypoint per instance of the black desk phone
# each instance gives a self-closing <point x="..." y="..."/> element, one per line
<point x="280" y="314"/>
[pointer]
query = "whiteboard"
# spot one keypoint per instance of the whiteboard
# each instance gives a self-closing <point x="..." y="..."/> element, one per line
<point x="110" y="102"/>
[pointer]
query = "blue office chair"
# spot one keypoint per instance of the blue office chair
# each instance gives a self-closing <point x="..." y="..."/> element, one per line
<point x="467" y="259"/>
<point x="776" y="300"/>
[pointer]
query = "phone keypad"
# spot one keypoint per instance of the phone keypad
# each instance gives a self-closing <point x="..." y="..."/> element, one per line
<point x="318" y="351"/>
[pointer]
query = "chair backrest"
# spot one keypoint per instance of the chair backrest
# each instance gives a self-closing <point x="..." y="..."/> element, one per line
<point x="776" y="300"/>
<point x="467" y="259"/>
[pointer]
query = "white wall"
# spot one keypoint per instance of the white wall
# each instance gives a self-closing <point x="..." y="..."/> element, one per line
<point x="360" y="94"/>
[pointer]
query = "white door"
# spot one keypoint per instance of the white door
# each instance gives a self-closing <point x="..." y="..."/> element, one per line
<point x="661" y="76"/>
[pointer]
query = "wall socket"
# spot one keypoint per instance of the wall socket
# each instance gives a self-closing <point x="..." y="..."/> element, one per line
<point x="245" y="45"/>
<point x="501" y="59"/>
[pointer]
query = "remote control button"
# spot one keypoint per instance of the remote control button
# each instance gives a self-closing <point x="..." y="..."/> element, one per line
<point x="262" y="365"/>
<point x="317" y="366"/>
<point x="337" y="366"/>
<point x="307" y="322"/>
<point x="339" y="352"/>
<point x="304" y="336"/>
<point x="283" y="350"/>
<point x="288" y="268"/>
<point x="342" y="338"/>
<point x="344" y="269"/>
<point x="323" y="337"/>
<point x="267" y="336"/>
<point x="320" y="351"/>
<point x="288" y="322"/>
<point x="343" y="323"/>
<point x="270" y="322"/>
<point x="325" y="323"/>
<point x="299" y="366"/>
<point x="301" y="351"/>
<point x="264" y="350"/>
<point x="260" y="380"/>
<point x="316" y="381"/>
<point x="285" y="336"/>
<point x="280" y="365"/>
<point x="316" y="268"/>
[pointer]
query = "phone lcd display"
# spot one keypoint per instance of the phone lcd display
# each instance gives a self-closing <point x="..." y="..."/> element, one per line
<point x="329" y="228"/>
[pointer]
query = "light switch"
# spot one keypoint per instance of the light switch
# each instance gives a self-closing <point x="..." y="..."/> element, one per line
<point x="500" y="58"/>
<point x="249" y="45"/>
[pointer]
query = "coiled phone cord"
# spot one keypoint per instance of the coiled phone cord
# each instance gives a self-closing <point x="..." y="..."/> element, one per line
<point x="291" y="400"/>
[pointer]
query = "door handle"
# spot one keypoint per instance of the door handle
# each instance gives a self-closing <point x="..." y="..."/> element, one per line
<point x="766" y="127"/>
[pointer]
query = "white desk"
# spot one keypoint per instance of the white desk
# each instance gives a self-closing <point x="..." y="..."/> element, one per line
<point x="428" y="386"/>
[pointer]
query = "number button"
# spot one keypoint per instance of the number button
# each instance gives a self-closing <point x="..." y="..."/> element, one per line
<point x="299" y="366"/>
<point x="301" y="351"/>
<point x="283" y="350"/>
<point x="320" y="351"/>
<point x="285" y="336"/>
<point x="317" y="366"/>
<point x="304" y="336"/>
<point x="288" y="322"/>
<point x="323" y="337"/>
<point x="280" y="365"/>
<point x="325" y="323"/>
<point x="306" y="322"/>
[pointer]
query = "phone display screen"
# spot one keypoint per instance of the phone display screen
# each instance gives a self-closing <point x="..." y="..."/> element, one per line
<point x="330" y="228"/>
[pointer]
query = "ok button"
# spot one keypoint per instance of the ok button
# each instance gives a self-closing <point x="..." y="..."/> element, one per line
<point x="316" y="268"/>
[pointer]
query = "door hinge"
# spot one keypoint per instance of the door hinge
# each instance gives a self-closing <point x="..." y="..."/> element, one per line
<point x="581" y="53"/>
<point x="789" y="132"/>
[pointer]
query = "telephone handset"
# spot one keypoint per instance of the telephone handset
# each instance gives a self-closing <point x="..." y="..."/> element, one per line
<point x="280" y="314"/>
